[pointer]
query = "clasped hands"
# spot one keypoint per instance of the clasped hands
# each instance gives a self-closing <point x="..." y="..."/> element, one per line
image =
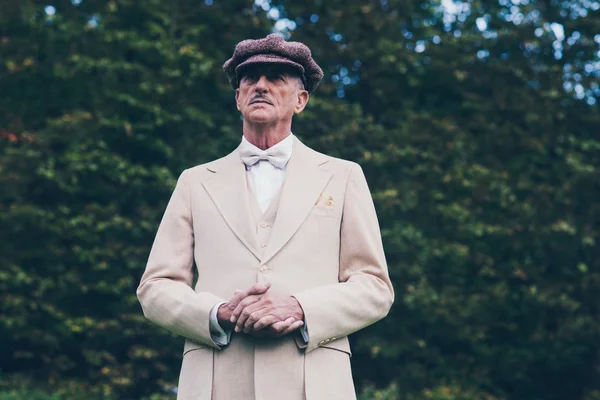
<point x="261" y="313"/>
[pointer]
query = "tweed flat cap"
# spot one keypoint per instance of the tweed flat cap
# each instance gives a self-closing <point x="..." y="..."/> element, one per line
<point x="273" y="49"/>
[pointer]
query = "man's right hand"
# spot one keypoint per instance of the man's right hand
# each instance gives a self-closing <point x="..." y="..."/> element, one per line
<point x="247" y="297"/>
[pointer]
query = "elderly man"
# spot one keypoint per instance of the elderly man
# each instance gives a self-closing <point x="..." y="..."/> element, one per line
<point x="286" y="245"/>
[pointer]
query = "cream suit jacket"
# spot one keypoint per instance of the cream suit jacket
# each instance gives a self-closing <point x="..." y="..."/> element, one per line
<point x="327" y="254"/>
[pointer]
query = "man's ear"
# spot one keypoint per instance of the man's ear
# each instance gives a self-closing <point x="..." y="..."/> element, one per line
<point x="303" y="97"/>
<point x="237" y="98"/>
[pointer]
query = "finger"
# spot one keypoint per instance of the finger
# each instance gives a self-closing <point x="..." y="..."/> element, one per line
<point x="241" y="320"/>
<point x="293" y="327"/>
<point x="258" y="288"/>
<point x="242" y="306"/>
<point x="253" y="317"/>
<point x="265" y="321"/>
<point x="239" y="295"/>
<point x="281" y="326"/>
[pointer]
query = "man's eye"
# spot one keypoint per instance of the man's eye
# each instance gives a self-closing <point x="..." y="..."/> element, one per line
<point x="249" y="78"/>
<point x="276" y="77"/>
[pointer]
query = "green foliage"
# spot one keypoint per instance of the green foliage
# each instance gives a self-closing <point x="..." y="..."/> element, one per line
<point x="484" y="170"/>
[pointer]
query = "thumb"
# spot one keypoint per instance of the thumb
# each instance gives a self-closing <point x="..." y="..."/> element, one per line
<point x="259" y="288"/>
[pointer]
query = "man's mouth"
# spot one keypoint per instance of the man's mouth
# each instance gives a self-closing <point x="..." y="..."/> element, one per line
<point x="259" y="101"/>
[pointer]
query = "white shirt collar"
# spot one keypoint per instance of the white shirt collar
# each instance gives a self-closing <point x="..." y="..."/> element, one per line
<point x="285" y="146"/>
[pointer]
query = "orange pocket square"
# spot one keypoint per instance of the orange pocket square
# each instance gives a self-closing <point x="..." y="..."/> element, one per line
<point x="325" y="199"/>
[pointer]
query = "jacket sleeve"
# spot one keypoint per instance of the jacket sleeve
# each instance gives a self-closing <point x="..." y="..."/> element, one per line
<point x="165" y="291"/>
<point x="364" y="293"/>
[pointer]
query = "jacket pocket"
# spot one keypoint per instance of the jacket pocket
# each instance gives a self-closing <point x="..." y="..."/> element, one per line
<point x="341" y="344"/>
<point x="191" y="345"/>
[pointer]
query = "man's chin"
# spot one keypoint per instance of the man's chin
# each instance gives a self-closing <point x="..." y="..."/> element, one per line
<point x="259" y="118"/>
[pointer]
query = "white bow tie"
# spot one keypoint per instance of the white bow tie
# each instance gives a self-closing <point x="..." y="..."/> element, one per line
<point x="276" y="155"/>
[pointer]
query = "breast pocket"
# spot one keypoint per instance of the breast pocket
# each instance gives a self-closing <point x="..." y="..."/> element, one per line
<point x="324" y="211"/>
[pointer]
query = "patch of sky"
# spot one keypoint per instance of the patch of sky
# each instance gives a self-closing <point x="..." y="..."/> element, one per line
<point x="490" y="35"/>
<point x="407" y="34"/>
<point x="573" y="38"/>
<point x="283" y="25"/>
<point x="589" y="68"/>
<point x="453" y="10"/>
<point x="336" y="37"/>
<point x="558" y="30"/>
<point x="533" y="16"/>
<point x="314" y="18"/>
<point x="579" y="91"/>
<point x="93" y="22"/>
<point x="518" y="19"/>
<point x="436" y="39"/>
<point x="481" y="24"/>
<point x="209" y="2"/>
<point x="482" y="54"/>
<point x="568" y="86"/>
<point x="420" y="46"/>
<point x="595" y="71"/>
<point x="76" y="2"/>
<point x="50" y="10"/>
<point x="264" y="4"/>
<point x="273" y="13"/>
<point x="578" y="9"/>
<point x="341" y="93"/>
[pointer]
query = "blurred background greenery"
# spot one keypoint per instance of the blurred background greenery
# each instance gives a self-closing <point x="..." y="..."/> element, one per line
<point x="476" y="123"/>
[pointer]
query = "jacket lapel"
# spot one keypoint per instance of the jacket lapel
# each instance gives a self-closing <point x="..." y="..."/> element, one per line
<point x="228" y="190"/>
<point x="303" y="184"/>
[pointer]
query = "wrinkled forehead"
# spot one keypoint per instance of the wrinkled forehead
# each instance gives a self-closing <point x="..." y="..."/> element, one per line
<point x="268" y="69"/>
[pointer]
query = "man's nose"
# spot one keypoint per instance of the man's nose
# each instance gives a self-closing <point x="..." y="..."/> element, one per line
<point x="262" y="84"/>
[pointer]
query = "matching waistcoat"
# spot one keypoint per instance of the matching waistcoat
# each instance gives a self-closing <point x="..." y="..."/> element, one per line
<point x="260" y="365"/>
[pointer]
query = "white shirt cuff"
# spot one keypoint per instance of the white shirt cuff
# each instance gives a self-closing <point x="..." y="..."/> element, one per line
<point x="218" y="334"/>
<point x="304" y="332"/>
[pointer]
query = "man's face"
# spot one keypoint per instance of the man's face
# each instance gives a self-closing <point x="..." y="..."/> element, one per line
<point x="270" y="94"/>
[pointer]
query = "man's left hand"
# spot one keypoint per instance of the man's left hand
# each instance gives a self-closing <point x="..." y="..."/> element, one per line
<point x="273" y="309"/>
